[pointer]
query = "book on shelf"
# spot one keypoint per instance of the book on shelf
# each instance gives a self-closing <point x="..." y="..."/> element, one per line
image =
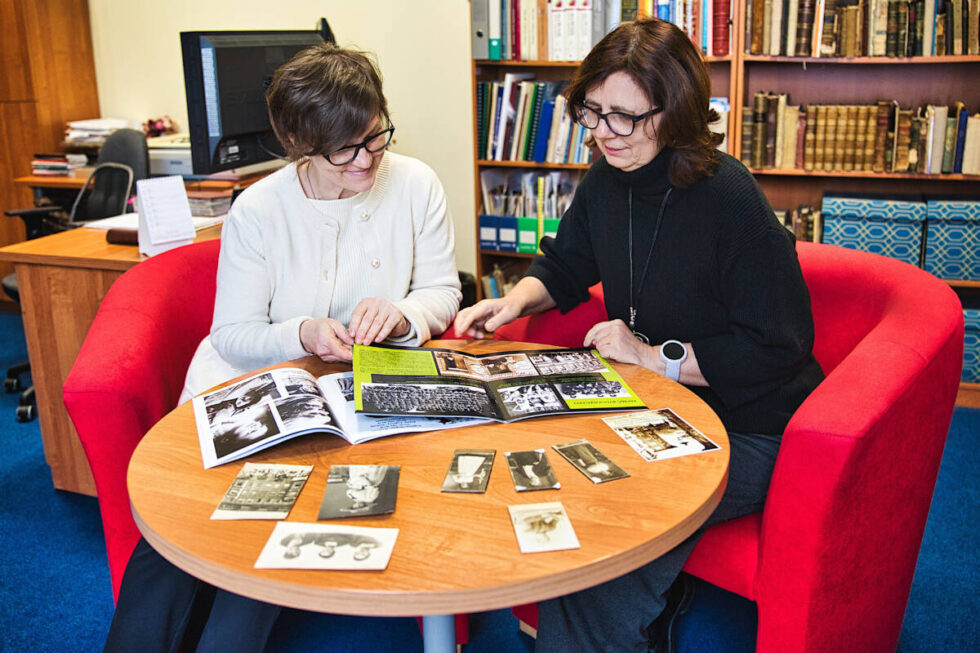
<point x="949" y="145"/>
<point x="271" y="407"/>
<point x="503" y="386"/>
<point x="903" y="139"/>
<point x="747" y="126"/>
<point x="971" y="146"/>
<point x="962" y="115"/>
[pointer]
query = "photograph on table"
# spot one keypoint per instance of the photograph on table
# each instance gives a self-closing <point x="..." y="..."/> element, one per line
<point x="584" y="457"/>
<point x="359" y="490"/>
<point x="542" y="527"/>
<point x="296" y="545"/>
<point x="659" y="434"/>
<point x="263" y="491"/>
<point x="469" y="471"/>
<point x="530" y="470"/>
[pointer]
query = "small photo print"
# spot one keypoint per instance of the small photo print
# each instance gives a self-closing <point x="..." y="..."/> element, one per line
<point x="263" y="491"/>
<point x="295" y="545"/>
<point x="530" y="470"/>
<point x="584" y="457"/>
<point x="659" y="434"/>
<point x="567" y="362"/>
<point x="469" y="471"/>
<point x="359" y="490"/>
<point x="542" y="527"/>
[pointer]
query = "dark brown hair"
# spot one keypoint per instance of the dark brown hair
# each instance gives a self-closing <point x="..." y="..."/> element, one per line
<point x="324" y="98"/>
<point x="662" y="60"/>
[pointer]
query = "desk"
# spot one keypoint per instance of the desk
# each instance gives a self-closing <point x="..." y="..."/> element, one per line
<point x="455" y="553"/>
<point x="62" y="279"/>
<point x="39" y="183"/>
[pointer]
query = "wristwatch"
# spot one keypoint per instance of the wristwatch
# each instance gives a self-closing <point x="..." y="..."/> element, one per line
<point x="673" y="353"/>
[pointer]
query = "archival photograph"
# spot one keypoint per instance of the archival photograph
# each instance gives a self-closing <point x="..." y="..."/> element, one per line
<point x="425" y="399"/>
<point x="295" y="545"/>
<point x="573" y="361"/>
<point x="590" y="387"/>
<point x="584" y="457"/>
<point x="528" y="399"/>
<point x="469" y="471"/>
<point x="659" y="434"/>
<point x="236" y="430"/>
<point x="359" y="490"/>
<point x="263" y="491"/>
<point x="530" y="470"/>
<point x="542" y="527"/>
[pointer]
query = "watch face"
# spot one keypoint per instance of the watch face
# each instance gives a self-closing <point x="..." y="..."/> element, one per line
<point x="673" y="351"/>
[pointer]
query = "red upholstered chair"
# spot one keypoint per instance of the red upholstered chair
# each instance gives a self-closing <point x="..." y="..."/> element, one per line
<point x="130" y="371"/>
<point x="830" y="560"/>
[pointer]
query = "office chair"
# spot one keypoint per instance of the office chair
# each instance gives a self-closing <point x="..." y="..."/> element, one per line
<point x="105" y="193"/>
<point x="127" y="146"/>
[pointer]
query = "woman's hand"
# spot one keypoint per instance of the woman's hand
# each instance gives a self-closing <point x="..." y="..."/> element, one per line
<point x="614" y="340"/>
<point x="326" y="338"/>
<point x="485" y="317"/>
<point x="374" y="319"/>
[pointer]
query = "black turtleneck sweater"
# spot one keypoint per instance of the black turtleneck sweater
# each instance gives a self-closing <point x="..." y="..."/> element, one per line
<point x="723" y="275"/>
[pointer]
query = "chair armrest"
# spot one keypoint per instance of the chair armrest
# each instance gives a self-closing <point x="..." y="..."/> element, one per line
<point x="38" y="212"/>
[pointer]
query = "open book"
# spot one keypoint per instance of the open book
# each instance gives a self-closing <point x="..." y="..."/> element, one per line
<point x="274" y="406"/>
<point x="504" y="386"/>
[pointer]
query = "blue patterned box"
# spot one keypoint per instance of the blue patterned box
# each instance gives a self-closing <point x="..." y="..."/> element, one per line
<point x="953" y="238"/>
<point x="971" y="346"/>
<point x="887" y="226"/>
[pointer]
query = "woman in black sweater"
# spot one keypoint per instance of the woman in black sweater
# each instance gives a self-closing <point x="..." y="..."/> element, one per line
<point x="701" y="284"/>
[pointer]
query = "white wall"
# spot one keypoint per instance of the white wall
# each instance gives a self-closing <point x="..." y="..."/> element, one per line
<point x="423" y="49"/>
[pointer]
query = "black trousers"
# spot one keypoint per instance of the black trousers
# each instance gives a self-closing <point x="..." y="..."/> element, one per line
<point x="158" y="601"/>
<point x="614" y="616"/>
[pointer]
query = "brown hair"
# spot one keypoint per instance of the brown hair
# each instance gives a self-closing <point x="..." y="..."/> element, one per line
<point x="662" y="60"/>
<point x="323" y="98"/>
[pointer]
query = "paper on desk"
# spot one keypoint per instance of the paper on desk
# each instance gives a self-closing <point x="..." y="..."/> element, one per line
<point x="164" y="214"/>
<point x="131" y="221"/>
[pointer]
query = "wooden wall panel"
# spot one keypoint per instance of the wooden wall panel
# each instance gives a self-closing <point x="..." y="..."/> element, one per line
<point x="15" y="81"/>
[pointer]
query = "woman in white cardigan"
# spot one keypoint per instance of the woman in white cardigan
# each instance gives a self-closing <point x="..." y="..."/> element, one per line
<point x="347" y="244"/>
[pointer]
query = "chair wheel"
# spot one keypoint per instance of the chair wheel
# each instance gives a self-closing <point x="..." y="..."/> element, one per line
<point x="26" y="413"/>
<point x="11" y="385"/>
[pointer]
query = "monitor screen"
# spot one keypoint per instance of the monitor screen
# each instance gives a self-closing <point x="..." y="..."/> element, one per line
<point x="225" y="78"/>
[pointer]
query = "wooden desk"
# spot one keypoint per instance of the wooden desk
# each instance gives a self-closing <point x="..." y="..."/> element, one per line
<point x="455" y="553"/>
<point x="62" y="280"/>
<point x="39" y="183"/>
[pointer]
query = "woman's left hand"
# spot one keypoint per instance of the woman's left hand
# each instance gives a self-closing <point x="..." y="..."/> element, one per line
<point x="614" y="340"/>
<point x="374" y="319"/>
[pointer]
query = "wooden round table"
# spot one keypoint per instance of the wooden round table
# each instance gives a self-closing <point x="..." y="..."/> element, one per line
<point x="455" y="553"/>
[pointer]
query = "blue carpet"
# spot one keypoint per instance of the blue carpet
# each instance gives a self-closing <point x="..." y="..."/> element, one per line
<point x="55" y="592"/>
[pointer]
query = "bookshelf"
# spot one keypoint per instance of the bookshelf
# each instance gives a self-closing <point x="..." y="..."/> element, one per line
<point x="912" y="81"/>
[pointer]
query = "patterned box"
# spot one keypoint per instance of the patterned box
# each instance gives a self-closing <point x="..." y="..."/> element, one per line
<point x="887" y="226"/>
<point x="971" y="346"/>
<point x="953" y="238"/>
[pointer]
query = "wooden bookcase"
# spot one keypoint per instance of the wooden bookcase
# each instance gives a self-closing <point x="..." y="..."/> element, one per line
<point x="912" y="81"/>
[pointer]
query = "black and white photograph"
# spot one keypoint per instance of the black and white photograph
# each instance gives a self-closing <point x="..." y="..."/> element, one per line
<point x="425" y="399"/>
<point x="659" y="434"/>
<point x="529" y="399"/>
<point x="304" y="412"/>
<point x="297" y="384"/>
<point x="295" y="545"/>
<point x="594" y="464"/>
<point x="263" y="491"/>
<point x="234" y="431"/>
<point x="576" y="361"/>
<point x="530" y="470"/>
<point x="469" y="471"/>
<point x="507" y="366"/>
<point x="241" y="396"/>
<point x="456" y="364"/>
<point x="359" y="490"/>
<point x="590" y="387"/>
<point x="542" y="527"/>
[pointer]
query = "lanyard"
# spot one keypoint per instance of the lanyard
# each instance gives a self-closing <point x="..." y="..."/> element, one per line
<point x="646" y="266"/>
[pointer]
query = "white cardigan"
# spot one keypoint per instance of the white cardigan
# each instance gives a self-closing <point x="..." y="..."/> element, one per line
<point x="285" y="259"/>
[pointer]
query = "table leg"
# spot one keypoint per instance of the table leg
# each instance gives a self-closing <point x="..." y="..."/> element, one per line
<point x="439" y="633"/>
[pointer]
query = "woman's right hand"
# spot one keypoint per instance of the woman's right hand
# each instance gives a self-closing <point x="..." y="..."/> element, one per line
<point x="326" y="338"/>
<point x="485" y="317"/>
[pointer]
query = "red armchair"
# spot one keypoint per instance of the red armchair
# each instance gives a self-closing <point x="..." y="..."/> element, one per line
<point x="830" y="560"/>
<point x="130" y="371"/>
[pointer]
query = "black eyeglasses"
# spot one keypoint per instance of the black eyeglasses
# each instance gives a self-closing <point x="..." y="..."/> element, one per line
<point x="373" y="143"/>
<point x="619" y="123"/>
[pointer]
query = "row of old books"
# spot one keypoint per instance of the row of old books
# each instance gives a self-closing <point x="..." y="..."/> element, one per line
<point x="804" y="221"/>
<point x="854" y="28"/>
<point x="520" y="119"/>
<point x="566" y="30"/>
<point x="884" y="137"/>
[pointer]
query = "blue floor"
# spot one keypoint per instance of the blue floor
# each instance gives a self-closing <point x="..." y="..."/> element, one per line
<point x="55" y="592"/>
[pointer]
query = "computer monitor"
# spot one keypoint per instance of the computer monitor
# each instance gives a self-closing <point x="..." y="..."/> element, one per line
<point x="226" y="74"/>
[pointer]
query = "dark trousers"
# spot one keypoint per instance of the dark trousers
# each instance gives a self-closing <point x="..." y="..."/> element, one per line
<point x="614" y="616"/>
<point x="158" y="603"/>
